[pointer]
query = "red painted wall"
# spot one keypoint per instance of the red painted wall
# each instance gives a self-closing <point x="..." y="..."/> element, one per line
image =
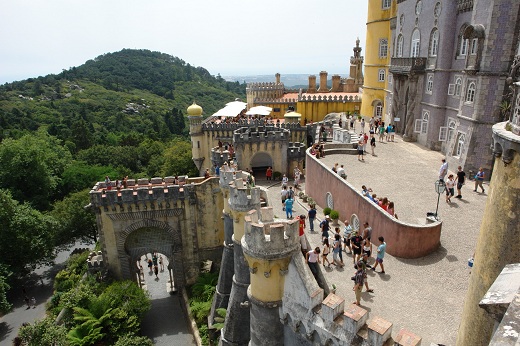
<point x="403" y="239"/>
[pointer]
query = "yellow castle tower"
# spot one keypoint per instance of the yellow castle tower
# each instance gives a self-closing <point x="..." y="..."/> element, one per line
<point x="377" y="56"/>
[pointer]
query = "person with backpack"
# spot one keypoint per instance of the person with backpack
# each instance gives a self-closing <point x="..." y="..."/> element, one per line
<point x="325" y="227"/>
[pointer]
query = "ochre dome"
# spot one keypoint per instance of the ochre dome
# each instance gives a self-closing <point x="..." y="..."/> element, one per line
<point x="194" y="110"/>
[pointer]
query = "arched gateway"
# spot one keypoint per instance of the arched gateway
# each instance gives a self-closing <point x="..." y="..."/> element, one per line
<point x="157" y="216"/>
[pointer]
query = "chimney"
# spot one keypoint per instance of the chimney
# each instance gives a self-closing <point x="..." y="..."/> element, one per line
<point x="323" y="82"/>
<point x="336" y="79"/>
<point x="312" y="84"/>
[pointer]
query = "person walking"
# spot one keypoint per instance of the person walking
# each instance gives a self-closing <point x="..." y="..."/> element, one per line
<point x="347" y="231"/>
<point x="312" y="216"/>
<point x="450" y="188"/>
<point x="285" y="180"/>
<point x="364" y="265"/>
<point x="283" y="195"/>
<point x="297" y="175"/>
<point x="150" y="265"/>
<point x="443" y="170"/>
<point x="359" y="279"/>
<point x="161" y="263"/>
<point x="156" y="271"/>
<point x="360" y="149"/>
<point x="325" y="228"/>
<point x="381" y="250"/>
<point x="336" y="251"/>
<point x="461" y="178"/>
<point x="373" y="145"/>
<point x="355" y="243"/>
<point x="289" y="207"/>
<point x="326" y="250"/>
<point x="313" y="259"/>
<point x="479" y="178"/>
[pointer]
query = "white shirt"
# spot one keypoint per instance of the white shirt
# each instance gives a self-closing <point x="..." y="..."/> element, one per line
<point x="313" y="257"/>
<point x="285" y="180"/>
<point x="341" y="171"/>
<point x="443" y="170"/>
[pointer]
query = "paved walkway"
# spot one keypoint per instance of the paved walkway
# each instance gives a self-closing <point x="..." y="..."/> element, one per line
<point x="424" y="295"/>
<point x="166" y="322"/>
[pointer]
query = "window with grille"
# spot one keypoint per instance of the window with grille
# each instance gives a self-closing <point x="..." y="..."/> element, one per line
<point x="424" y="124"/>
<point x="461" y="140"/>
<point x="470" y="93"/>
<point x="383" y="48"/>
<point x="429" y="84"/>
<point x="434" y="42"/>
<point x="443" y="133"/>
<point x="381" y="74"/>
<point x="416" y="44"/>
<point x="400" y="43"/>
<point x="386" y="4"/>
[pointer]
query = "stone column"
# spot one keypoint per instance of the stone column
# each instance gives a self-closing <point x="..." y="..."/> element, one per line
<point x="236" y="327"/>
<point x="498" y="239"/>
<point x="268" y="247"/>
<point x="410" y="109"/>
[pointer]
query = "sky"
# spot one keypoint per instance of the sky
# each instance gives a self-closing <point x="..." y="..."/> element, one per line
<point x="226" y="37"/>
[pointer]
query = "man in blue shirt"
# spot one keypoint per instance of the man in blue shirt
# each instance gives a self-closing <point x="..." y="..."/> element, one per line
<point x="312" y="217"/>
<point x="288" y="207"/>
<point x="381" y="250"/>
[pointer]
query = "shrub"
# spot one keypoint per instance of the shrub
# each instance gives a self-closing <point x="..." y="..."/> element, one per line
<point x="132" y="340"/>
<point x="326" y="211"/>
<point x="277" y="175"/>
<point x="334" y="215"/>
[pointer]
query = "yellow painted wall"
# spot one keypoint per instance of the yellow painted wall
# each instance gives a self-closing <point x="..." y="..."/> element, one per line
<point x="378" y="27"/>
<point x="316" y="111"/>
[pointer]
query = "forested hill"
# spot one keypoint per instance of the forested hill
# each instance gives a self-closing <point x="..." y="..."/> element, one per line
<point x="108" y="90"/>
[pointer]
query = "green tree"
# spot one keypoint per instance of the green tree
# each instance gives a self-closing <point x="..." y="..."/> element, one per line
<point x="74" y="221"/>
<point x="27" y="234"/>
<point x="132" y="340"/>
<point x="5" y="306"/>
<point x="43" y="332"/>
<point x="178" y="159"/>
<point x="31" y="168"/>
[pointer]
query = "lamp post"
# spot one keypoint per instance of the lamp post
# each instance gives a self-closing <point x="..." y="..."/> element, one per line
<point x="440" y="187"/>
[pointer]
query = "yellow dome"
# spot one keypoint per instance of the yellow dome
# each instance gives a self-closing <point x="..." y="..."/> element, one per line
<point x="194" y="110"/>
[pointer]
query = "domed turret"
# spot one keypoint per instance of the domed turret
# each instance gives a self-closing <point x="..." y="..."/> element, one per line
<point x="194" y="110"/>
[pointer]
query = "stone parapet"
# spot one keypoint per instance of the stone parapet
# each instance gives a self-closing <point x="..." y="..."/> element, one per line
<point x="261" y="134"/>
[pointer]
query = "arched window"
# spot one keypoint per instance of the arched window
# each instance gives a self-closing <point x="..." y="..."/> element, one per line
<point x="461" y="140"/>
<point x="378" y="110"/>
<point x="458" y="86"/>
<point x="470" y="93"/>
<point x="381" y="75"/>
<point x="434" y="42"/>
<point x="400" y="43"/>
<point x="429" y="84"/>
<point x="424" y="124"/>
<point x="451" y="130"/>
<point x="416" y="44"/>
<point x="462" y="44"/>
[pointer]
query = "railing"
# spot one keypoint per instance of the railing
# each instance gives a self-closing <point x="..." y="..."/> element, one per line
<point x="407" y="65"/>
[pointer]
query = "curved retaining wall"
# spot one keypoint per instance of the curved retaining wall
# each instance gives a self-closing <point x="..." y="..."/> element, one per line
<point x="403" y="239"/>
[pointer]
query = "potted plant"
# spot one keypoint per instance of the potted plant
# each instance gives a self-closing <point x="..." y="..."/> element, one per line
<point x="333" y="289"/>
<point x="301" y="194"/>
<point x="311" y="202"/>
<point x="305" y="198"/>
<point x="334" y="215"/>
<point x="277" y="175"/>
<point x="326" y="211"/>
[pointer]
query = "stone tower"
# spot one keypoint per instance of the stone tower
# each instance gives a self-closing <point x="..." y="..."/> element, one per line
<point x="356" y="65"/>
<point x="242" y="201"/>
<point x="195" y="118"/>
<point x="500" y="229"/>
<point x="268" y="247"/>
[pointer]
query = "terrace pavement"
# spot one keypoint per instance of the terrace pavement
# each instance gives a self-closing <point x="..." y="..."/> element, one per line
<point x="423" y="295"/>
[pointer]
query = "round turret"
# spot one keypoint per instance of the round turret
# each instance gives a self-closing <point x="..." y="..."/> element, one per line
<point x="194" y="110"/>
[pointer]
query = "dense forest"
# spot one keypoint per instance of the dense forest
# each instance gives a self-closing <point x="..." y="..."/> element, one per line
<point x="119" y="114"/>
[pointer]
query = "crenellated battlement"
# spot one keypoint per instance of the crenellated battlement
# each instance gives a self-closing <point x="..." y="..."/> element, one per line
<point x="261" y="133"/>
<point x="264" y="86"/>
<point x="267" y="238"/>
<point x="309" y="98"/>
<point x="242" y="197"/>
<point x="156" y="193"/>
<point x="260" y="101"/>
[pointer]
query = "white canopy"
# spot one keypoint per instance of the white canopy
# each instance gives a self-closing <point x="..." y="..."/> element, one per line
<point x="259" y="110"/>
<point x="232" y="109"/>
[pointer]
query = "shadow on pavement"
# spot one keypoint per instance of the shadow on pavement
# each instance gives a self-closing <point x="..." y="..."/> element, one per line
<point x="432" y="258"/>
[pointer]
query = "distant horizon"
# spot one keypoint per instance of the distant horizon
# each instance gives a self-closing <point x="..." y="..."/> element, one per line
<point x="230" y="39"/>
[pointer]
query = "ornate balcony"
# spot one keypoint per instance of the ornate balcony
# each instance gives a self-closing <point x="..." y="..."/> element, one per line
<point x="407" y="65"/>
